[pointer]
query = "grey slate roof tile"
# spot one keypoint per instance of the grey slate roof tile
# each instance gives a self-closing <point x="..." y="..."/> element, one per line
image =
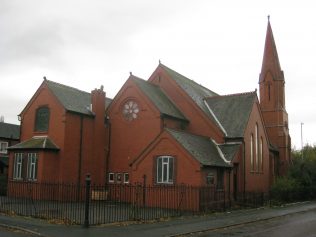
<point x="233" y="111"/>
<point x="159" y="98"/>
<point x="201" y="148"/>
<point x="196" y="91"/>
<point x="9" y="131"/>
<point x="71" y="98"/>
<point x="39" y="143"/>
<point x="230" y="150"/>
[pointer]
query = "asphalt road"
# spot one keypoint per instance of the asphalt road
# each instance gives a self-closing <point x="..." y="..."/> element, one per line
<point x="8" y="232"/>
<point x="294" y="225"/>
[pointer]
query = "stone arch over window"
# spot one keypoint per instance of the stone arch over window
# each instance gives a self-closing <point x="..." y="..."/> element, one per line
<point x="42" y="119"/>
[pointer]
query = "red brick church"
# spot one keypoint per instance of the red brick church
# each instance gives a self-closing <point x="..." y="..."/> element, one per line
<point x="167" y="129"/>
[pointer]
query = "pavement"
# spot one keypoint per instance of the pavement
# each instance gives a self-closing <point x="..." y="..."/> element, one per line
<point x="171" y="227"/>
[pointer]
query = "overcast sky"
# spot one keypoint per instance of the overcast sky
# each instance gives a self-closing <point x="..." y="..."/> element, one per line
<point x="218" y="44"/>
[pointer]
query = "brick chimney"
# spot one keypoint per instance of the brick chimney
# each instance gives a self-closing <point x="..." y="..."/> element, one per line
<point x="99" y="134"/>
<point x="98" y="103"/>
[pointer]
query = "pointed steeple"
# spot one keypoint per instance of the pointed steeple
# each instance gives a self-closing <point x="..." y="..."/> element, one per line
<point x="272" y="102"/>
<point x="270" y="62"/>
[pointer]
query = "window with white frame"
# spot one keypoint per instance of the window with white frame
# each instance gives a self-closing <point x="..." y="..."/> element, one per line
<point x="111" y="177"/>
<point x="118" y="177"/>
<point x="3" y="147"/>
<point x="165" y="169"/>
<point x="17" y="168"/>
<point x="32" y="166"/>
<point x="126" y="178"/>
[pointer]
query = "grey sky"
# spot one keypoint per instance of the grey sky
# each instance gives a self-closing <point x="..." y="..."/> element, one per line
<point x="219" y="44"/>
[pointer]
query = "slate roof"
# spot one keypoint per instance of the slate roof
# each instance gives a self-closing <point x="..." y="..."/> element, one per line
<point x="229" y="150"/>
<point x="159" y="99"/>
<point x="73" y="99"/>
<point x="9" y="131"/>
<point x="201" y="148"/>
<point x="232" y="111"/>
<point x="38" y="143"/>
<point x="196" y="91"/>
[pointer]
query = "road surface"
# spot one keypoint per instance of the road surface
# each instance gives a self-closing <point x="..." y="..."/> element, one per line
<point x="301" y="224"/>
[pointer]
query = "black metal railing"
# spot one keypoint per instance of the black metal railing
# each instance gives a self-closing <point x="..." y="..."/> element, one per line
<point x="96" y="204"/>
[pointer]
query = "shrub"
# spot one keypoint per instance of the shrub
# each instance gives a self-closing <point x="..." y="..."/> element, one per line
<point x="286" y="190"/>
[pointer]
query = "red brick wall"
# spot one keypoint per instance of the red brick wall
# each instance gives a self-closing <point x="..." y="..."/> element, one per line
<point x="256" y="180"/>
<point x="187" y="170"/>
<point x="200" y="123"/>
<point x="56" y="128"/>
<point x="129" y="138"/>
<point x="66" y="129"/>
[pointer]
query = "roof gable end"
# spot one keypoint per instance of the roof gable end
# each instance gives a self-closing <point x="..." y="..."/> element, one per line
<point x="232" y="111"/>
<point x="159" y="99"/>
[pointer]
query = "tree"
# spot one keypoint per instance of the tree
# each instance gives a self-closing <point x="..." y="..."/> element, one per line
<point x="300" y="181"/>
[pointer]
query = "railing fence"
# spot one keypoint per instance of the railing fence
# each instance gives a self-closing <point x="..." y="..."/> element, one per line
<point x="91" y="204"/>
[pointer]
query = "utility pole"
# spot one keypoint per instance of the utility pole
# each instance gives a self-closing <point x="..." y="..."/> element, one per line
<point x="302" y="139"/>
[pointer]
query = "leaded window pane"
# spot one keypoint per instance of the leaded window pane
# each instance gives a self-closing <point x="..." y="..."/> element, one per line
<point x="42" y="119"/>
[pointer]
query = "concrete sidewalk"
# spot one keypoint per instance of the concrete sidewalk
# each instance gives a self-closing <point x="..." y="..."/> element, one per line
<point x="173" y="227"/>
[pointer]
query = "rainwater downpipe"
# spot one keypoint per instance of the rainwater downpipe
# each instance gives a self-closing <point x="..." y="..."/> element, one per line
<point x="108" y="151"/>
<point x="80" y="156"/>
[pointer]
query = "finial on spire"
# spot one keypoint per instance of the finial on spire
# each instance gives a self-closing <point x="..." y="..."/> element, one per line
<point x="44" y="78"/>
<point x="268" y="18"/>
<point x="159" y="61"/>
<point x="130" y="73"/>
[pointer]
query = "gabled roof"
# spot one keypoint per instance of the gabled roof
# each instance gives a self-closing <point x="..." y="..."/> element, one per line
<point x="9" y="131"/>
<point x="38" y="143"/>
<point x="202" y="149"/>
<point x="196" y="91"/>
<point x="229" y="150"/>
<point x="158" y="98"/>
<point x="72" y="99"/>
<point x="232" y="111"/>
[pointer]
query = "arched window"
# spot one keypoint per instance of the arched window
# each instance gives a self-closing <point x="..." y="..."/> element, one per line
<point x="257" y="146"/>
<point x="251" y="153"/>
<point x="42" y="119"/>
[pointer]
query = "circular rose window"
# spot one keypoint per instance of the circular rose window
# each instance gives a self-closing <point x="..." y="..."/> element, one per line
<point x="130" y="110"/>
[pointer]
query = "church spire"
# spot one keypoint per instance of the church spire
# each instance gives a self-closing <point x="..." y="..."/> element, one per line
<point x="272" y="102"/>
<point x="270" y="62"/>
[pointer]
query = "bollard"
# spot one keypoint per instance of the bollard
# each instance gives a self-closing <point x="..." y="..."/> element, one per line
<point x="87" y="202"/>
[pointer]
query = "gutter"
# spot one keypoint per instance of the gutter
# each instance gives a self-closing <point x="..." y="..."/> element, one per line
<point x="221" y="153"/>
<point x="80" y="155"/>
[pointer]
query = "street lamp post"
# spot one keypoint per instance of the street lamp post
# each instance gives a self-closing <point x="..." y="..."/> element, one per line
<point x="302" y="139"/>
